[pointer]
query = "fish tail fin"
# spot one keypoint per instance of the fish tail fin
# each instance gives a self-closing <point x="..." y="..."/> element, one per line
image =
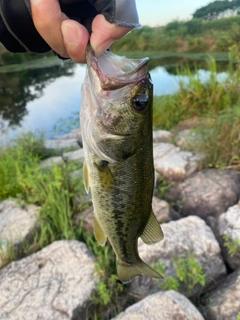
<point x="126" y="272"/>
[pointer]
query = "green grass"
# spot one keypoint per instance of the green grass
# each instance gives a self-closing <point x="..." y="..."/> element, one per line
<point x="232" y="244"/>
<point x="219" y="139"/>
<point x="52" y="189"/>
<point x="189" y="273"/>
<point x="195" y="98"/>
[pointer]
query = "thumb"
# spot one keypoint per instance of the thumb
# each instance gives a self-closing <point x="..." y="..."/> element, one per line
<point x="104" y="34"/>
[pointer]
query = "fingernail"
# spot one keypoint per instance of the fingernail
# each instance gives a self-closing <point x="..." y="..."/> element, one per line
<point x="70" y="33"/>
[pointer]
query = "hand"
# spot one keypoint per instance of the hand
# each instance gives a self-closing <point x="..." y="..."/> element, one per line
<point x="68" y="37"/>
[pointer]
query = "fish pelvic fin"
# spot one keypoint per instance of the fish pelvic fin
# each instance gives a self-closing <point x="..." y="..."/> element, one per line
<point x="99" y="233"/>
<point x="153" y="232"/>
<point x="85" y="177"/>
<point x="126" y="272"/>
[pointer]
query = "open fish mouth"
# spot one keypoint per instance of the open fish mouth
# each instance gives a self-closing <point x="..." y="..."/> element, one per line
<point x="114" y="71"/>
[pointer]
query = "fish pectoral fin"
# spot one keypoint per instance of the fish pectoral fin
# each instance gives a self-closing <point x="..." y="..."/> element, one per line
<point x="126" y="272"/>
<point x="99" y="233"/>
<point x="85" y="177"/>
<point x="153" y="231"/>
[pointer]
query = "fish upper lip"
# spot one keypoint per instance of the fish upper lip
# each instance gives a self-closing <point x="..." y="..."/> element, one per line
<point x="112" y="81"/>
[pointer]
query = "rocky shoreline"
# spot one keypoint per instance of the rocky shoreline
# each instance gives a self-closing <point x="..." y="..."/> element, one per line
<point x="200" y="218"/>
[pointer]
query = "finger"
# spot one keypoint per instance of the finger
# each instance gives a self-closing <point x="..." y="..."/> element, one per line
<point x="104" y="34"/>
<point x="75" y="37"/>
<point x="47" y="18"/>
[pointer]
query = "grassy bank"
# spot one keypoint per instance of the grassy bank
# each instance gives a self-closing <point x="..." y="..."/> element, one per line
<point x="193" y="36"/>
<point x="214" y="108"/>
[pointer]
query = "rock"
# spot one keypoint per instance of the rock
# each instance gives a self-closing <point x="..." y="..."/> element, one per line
<point x="187" y="235"/>
<point x="61" y="145"/>
<point x="169" y="305"/>
<point x="49" y="162"/>
<point x="163" y="211"/>
<point x="86" y="218"/>
<point x="74" y="134"/>
<point x="17" y="223"/>
<point x="161" y="136"/>
<point x="229" y="233"/>
<point x="74" y="155"/>
<point x="54" y="283"/>
<point x="173" y="163"/>
<point x="206" y="194"/>
<point x="187" y="139"/>
<point x="224" y="301"/>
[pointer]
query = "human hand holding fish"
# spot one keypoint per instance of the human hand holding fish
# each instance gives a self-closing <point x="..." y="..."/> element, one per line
<point x="66" y="26"/>
<point x="116" y="125"/>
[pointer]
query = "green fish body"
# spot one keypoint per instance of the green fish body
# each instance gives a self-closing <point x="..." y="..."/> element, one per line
<point x="116" y="124"/>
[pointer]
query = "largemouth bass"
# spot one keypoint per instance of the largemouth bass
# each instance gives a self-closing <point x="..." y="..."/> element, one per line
<point x="116" y="125"/>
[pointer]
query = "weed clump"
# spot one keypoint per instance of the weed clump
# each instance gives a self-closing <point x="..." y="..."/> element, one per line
<point x="189" y="273"/>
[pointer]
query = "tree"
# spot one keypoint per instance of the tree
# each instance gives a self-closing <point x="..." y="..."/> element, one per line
<point x="217" y="9"/>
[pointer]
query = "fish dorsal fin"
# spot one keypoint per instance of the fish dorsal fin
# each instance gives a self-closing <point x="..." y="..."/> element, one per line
<point x="85" y="177"/>
<point x="99" y="233"/>
<point x="153" y="231"/>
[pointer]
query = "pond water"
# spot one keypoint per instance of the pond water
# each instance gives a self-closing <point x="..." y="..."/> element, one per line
<point x="48" y="99"/>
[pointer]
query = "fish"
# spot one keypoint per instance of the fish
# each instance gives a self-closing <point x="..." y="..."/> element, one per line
<point x="116" y="126"/>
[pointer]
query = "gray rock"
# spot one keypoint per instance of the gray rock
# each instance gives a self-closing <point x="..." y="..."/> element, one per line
<point x="61" y="144"/>
<point x="173" y="163"/>
<point x="229" y="233"/>
<point x="162" y="136"/>
<point x="17" y="223"/>
<point x="180" y="237"/>
<point x="224" y="301"/>
<point x="54" y="283"/>
<point x="163" y="211"/>
<point x="74" y="155"/>
<point x="49" y="162"/>
<point x="169" y="305"/>
<point x="74" y="134"/>
<point x="206" y="194"/>
<point x="187" y="139"/>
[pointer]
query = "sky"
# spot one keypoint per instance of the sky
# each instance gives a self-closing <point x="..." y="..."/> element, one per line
<point x="160" y="12"/>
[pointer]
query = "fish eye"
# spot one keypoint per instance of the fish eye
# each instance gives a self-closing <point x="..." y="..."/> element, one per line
<point x="140" y="102"/>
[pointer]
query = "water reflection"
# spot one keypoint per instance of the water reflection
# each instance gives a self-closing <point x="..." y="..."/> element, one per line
<point x="37" y="99"/>
<point x="21" y="92"/>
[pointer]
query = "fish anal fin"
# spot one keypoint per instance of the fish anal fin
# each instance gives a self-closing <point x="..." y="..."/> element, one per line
<point x="99" y="233"/>
<point x="126" y="272"/>
<point x="85" y="177"/>
<point x="153" y="231"/>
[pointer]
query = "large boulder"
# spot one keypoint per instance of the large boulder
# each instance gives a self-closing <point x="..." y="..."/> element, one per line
<point x="183" y="237"/>
<point x="229" y="235"/>
<point x="74" y="155"/>
<point x="169" y="305"/>
<point x="61" y="145"/>
<point x="54" y="283"/>
<point x="224" y="302"/>
<point x="206" y="194"/>
<point x="173" y="163"/>
<point x="162" y="136"/>
<point x="75" y="134"/>
<point x="17" y="224"/>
